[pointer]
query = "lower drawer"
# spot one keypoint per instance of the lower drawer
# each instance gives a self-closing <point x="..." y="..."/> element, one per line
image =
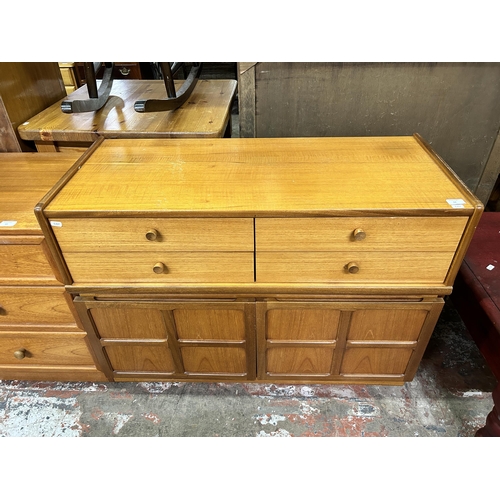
<point x="41" y="305"/>
<point x="33" y="348"/>
<point x="354" y="267"/>
<point x="161" y="267"/>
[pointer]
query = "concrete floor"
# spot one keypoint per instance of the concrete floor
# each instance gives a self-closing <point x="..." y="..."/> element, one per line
<point x="450" y="396"/>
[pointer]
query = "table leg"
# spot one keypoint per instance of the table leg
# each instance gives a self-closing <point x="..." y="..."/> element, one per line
<point x="492" y="426"/>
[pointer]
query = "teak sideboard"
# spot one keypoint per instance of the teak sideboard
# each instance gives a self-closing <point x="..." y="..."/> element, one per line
<point x="291" y="260"/>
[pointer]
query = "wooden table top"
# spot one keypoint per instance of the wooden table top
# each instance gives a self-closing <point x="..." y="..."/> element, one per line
<point x="268" y="177"/>
<point x="205" y="114"/>
<point x="25" y="179"/>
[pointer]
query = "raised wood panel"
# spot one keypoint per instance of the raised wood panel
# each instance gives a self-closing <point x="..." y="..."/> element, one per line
<point x="34" y="306"/>
<point x="299" y="361"/>
<point x="206" y="324"/>
<point x="374" y="267"/>
<point x="129" y="234"/>
<point x="375" y="361"/>
<point x="140" y="358"/>
<point x="135" y="267"/>
<point x="214" y="360"/>
<point x="436" y="234"/>
<point x="25" y="262"/>
<point x="302" y="324"/>
<point x="44" y="349"/>
<point x="129" y="323"/>
<point x="377" y="325"/>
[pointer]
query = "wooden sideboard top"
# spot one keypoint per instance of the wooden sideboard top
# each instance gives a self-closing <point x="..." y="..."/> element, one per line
<point x="263" y="177"/>
<point x="24" y="179"/>
<point x="205" y="114"/>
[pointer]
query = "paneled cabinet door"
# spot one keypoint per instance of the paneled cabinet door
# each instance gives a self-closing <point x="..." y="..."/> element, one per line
<point x="314" y="340"/>
<point x="168" y="339"/>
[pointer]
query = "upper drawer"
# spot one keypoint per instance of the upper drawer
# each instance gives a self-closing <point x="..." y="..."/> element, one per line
<point x="152" y="234"/>
<point x="24" y="261"/>
<point x="361" y="233"/>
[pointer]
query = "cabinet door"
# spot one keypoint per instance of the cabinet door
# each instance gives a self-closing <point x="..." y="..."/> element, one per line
<point x="163" y="338"/>
<point x="352" y="341"/>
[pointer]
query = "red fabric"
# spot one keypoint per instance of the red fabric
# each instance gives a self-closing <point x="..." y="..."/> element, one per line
<point x="484" y="251"/>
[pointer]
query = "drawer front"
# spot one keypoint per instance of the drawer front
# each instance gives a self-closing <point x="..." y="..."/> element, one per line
<point x="28" y="349"/>
<point x="373" y="267"/>
<point x="25" y="262"/>
<point x="155" y="234"/>
<point x="421" y="234"/>
<point x="24" y="306"/>
<point x="168" y="267"/>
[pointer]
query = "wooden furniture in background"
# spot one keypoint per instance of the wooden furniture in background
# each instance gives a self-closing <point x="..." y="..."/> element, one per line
<point x="206" y="114"/>
<point x="70" y="76"/>
<point x="477" y="299"/>
<point x="39" y="335"/>
<point x="25" y="90"/>
<point x="278" y="260"/>
<point x="455" y="106"/>
<point x="121" y="71"/>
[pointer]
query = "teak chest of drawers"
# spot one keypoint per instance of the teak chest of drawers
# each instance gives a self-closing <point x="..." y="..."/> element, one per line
<point x="40" y="338"/>
<point x="288" y="260"/>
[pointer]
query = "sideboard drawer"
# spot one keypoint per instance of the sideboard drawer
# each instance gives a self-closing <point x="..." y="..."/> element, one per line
<point x="423" y="234"/>
<point x="41" y="305"/>
<point x="372" y="267"/>
<point x="154" y="234"/>
<point x="24" y="259"/>
<point x="157" y="267"/>
<point x="44" y="349"/>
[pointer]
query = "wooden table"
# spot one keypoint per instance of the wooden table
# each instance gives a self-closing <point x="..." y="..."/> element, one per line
<point x="206" y="114"/>
<point x="477" y="298"/>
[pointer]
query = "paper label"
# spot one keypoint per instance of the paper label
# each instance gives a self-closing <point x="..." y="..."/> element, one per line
<point x="8" y="223"/>
<point x="456" y="202"/>
<point x="55" y="223"/>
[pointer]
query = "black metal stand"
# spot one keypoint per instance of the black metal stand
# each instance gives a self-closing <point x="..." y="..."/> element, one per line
<point x="97" y="96"/>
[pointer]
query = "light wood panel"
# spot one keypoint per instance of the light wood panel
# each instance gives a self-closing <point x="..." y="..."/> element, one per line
<point x="380" y="233"/>
<point x="129" y="323"/>
<point x="266" y="177"/>
<point x="129" y="234"/>
<point x="44" y="349"/>
<point x="214" y="360"/>
<point x="374" y="267"/>
<point x="194" y="267"/>
<point x="140" y="358"/>
<point x="220" y="324"/>
<point x="375" y="361"/>
<point x="304" y="361"/>
<point x="41" y="305"/>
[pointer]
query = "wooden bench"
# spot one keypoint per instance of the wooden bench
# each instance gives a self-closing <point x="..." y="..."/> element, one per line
<point x="476" y="296"/>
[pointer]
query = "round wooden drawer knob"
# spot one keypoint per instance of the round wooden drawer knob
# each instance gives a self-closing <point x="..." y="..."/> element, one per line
<point x="20" y="354"/>
<point x="159" y="268"/>
<point x="358" y="234"/>
<point x="352" y="267"/>
<point x="152" y="235"/>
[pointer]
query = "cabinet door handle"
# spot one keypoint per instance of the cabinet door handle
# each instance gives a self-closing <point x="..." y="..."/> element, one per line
<point x="358" y="234"/>
<point x="352" y="267"/>
<point x="20" y="354"/>
<point x="160" y="268"/>
<point x="152" y="235"/>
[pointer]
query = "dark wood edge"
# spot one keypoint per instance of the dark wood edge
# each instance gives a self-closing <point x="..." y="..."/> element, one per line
<point x="44" y="222"/>
<point x="263" y="290"/>
<point x="93" y="343"/>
